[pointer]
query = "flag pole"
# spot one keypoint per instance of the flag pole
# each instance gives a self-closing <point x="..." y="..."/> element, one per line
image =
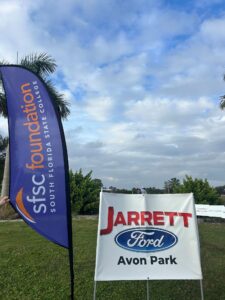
<point x="69" y="212"/>
<point x="69" y="220"/>
<point x="70" y="241"/>
<point x="71" y="273"/>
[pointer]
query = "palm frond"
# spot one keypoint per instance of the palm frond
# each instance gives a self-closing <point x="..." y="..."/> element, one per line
<point x="58" y="98"/>
<point x="3" y="143"/>
<point x="3" y="108"/>
<point x="41" y="64"/>
<point x="222" y="102"/>
<point x="4" y="62"/>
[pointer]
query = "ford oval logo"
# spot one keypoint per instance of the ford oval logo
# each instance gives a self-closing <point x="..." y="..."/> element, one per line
<point x="143" y="239"/>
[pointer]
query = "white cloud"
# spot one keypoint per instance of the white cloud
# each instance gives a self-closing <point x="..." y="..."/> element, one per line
<point x="213" y="31"/>
<point x="99" y="109"/>
<point x="164" y="112"/>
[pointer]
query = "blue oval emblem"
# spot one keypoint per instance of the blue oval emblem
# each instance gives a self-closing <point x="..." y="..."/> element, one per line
<point x="143" y="239"/>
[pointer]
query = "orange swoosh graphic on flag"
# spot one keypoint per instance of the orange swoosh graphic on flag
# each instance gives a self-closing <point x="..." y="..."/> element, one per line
<point x="21" y="207"/>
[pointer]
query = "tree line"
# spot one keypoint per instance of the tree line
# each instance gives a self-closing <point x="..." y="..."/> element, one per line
<point x="203" y="192"/>
<point x="85" y="191"/>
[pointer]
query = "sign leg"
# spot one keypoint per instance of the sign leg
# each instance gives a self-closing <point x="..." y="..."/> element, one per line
<point x="148" y="288"/>
<point x="201" y="286"/>
<point x="95" y="286"/>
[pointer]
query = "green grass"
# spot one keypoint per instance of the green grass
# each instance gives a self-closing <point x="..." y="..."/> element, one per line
<point x="33" y="268"/>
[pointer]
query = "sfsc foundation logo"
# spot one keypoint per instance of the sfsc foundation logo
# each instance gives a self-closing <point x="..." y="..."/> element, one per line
<point x="21" y="207"/>
<point x="33" y="203"/>
<point x="146" y="239"/>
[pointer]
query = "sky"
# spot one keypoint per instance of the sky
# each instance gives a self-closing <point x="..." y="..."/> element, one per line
<point x="143" y="79"/>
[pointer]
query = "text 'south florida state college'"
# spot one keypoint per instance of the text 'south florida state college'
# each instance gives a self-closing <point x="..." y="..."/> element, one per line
<point x="40" y="162"/>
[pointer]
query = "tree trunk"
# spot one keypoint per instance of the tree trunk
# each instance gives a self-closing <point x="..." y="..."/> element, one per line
<point x="6" y="212"/>
<point x="5" y="181"/>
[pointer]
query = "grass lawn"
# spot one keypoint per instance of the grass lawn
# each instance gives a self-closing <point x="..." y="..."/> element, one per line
<point x="33" y="268"/>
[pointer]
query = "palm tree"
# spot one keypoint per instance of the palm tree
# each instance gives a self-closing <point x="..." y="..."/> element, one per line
<point x="222" y="98"/>
<point x="171" y="184"/>
<point x="3" y="146"/>
<point x="43" y="65"/>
